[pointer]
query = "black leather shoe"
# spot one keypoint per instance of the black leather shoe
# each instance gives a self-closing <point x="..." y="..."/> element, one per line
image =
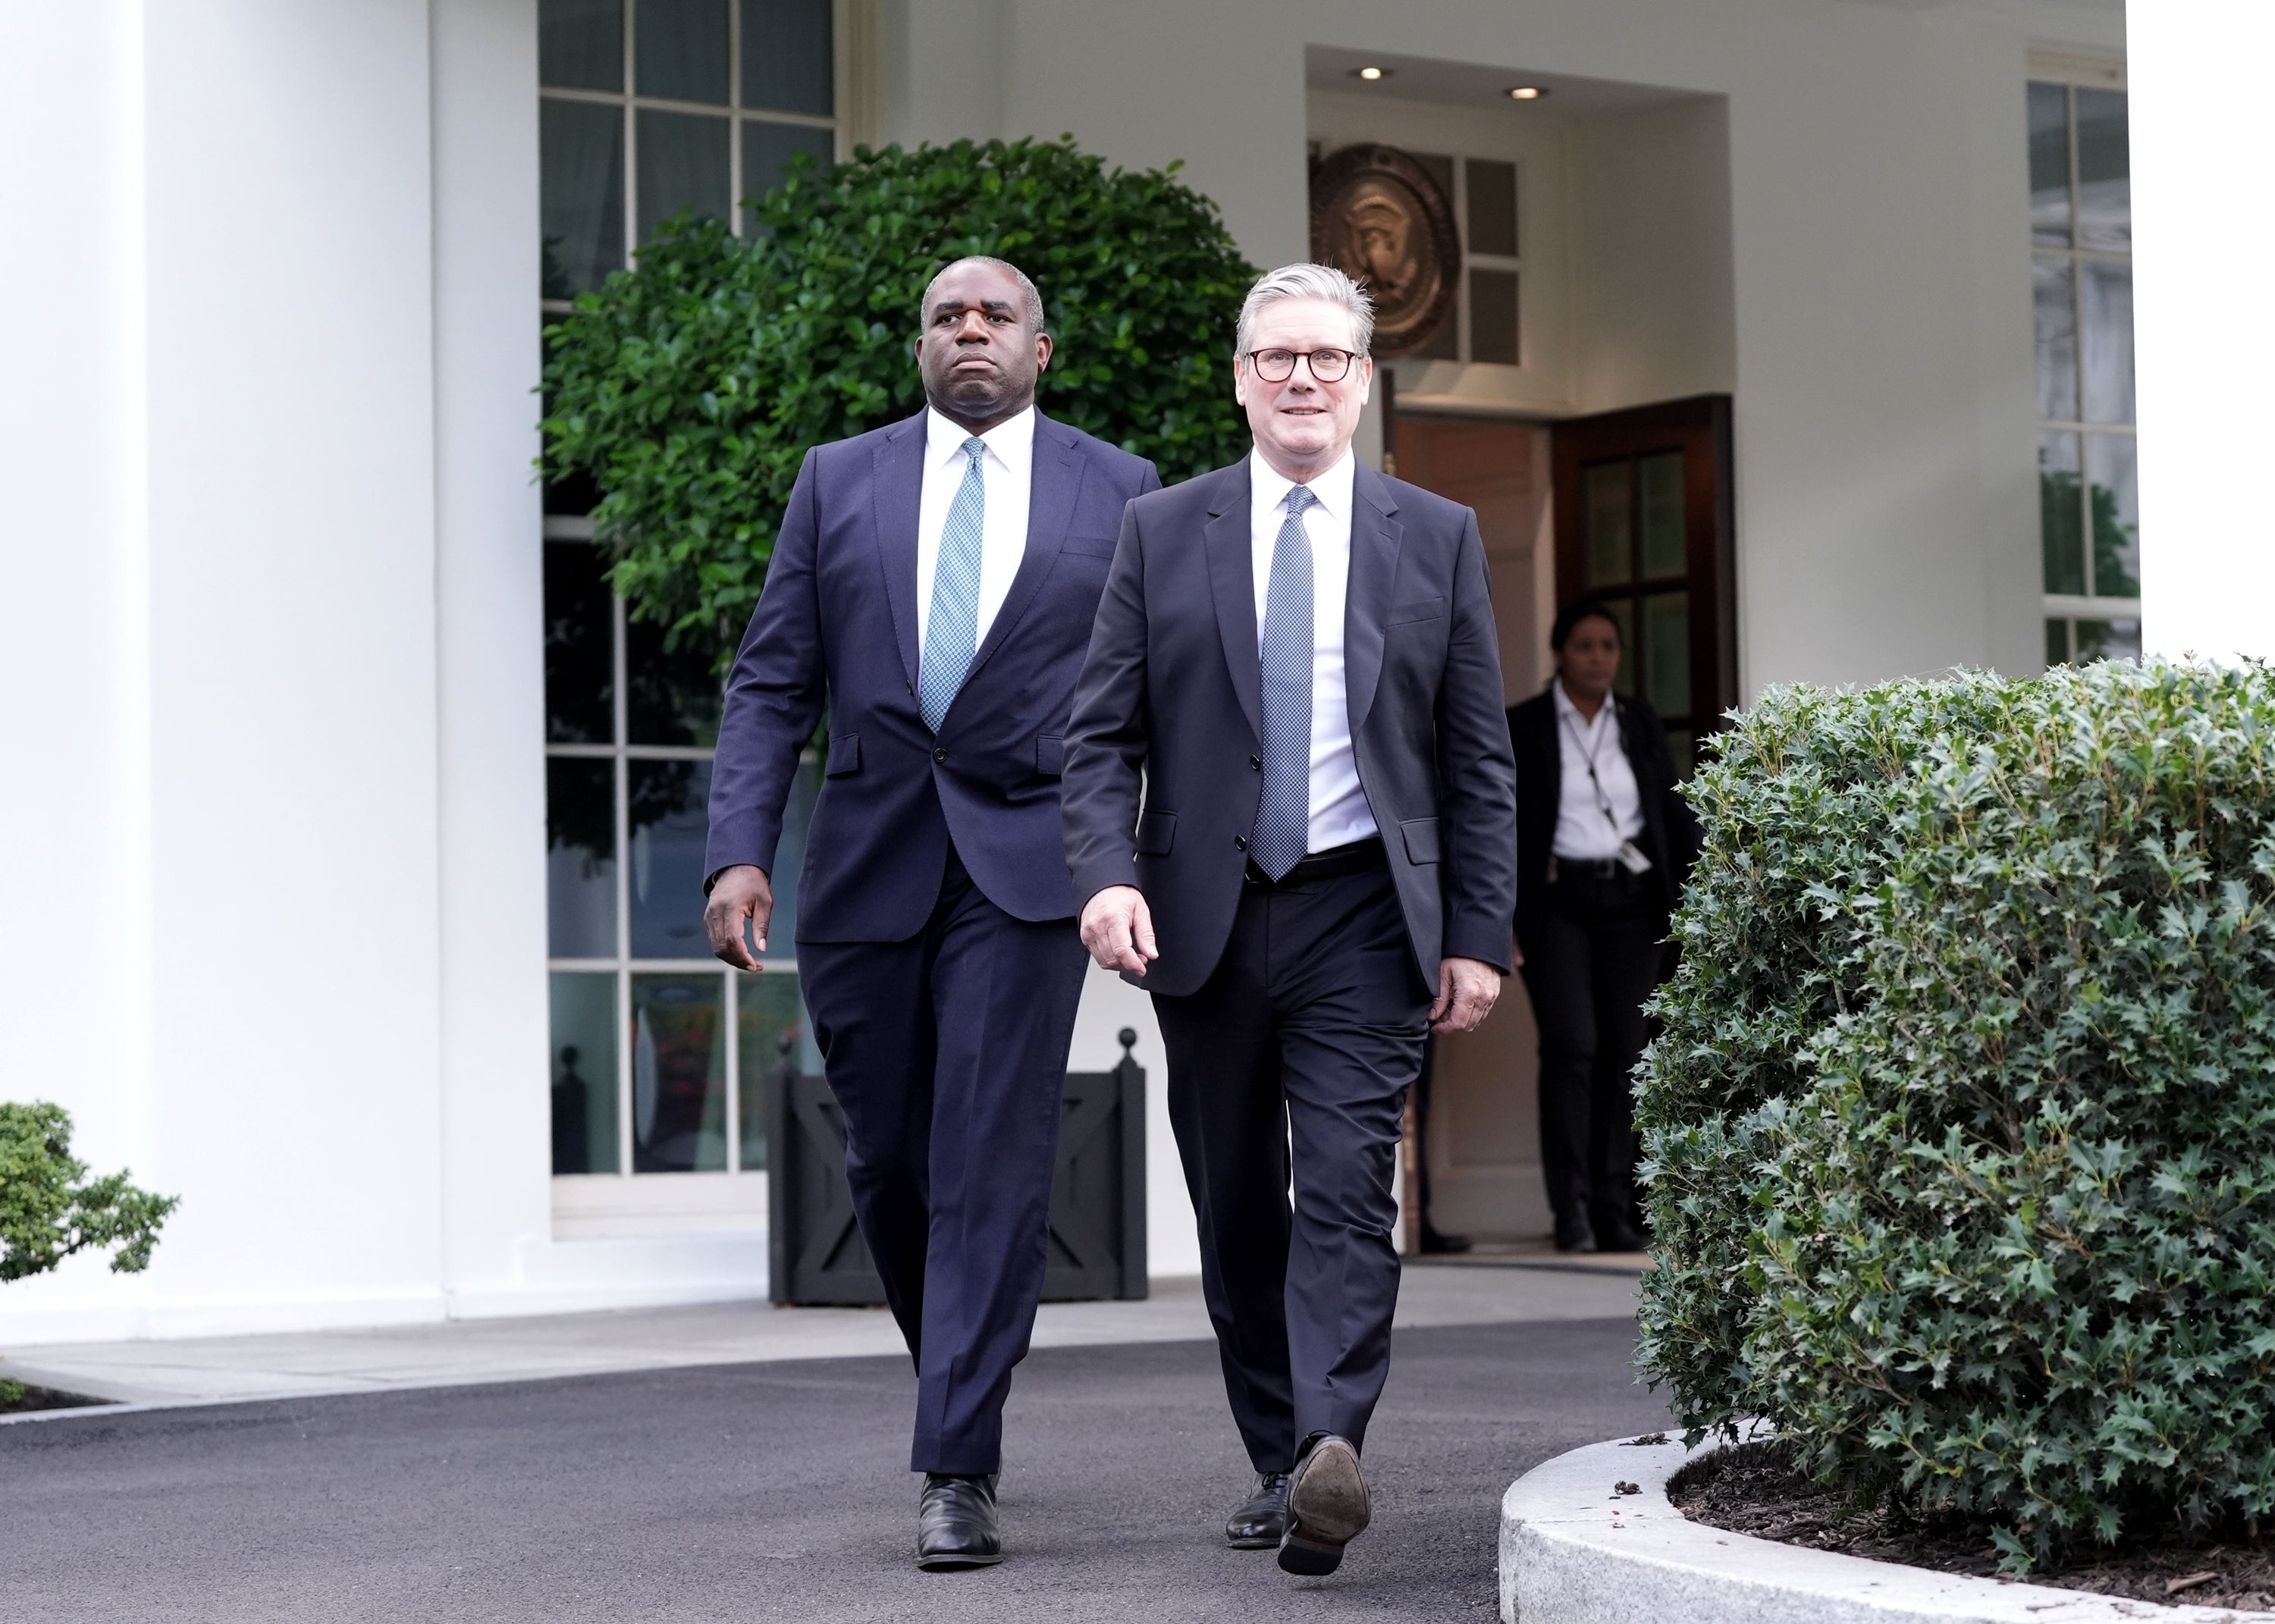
<point x="1616" y="1234"/>
<point x="1436" y="1242"/>
<point x="1260" y="1521"/>
<point x="1575" y="1235"/>
<point x="1328" y="1506"/>
<point x="956" y="1523"/>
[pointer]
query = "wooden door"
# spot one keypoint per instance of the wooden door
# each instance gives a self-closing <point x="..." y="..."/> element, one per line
<point x="1643" y="523"/>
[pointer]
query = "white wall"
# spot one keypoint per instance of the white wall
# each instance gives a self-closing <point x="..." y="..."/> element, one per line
<point x="2199" y="141"/>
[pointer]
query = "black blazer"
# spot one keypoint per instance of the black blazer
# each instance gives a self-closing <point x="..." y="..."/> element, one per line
<point x="1670" y="836"/>
<point x="1170" y="699"/>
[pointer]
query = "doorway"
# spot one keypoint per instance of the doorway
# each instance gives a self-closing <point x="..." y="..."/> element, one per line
<point x="1484" y="1137"/>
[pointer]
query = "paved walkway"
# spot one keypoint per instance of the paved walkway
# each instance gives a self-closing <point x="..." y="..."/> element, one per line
<point x="206" y="1370"/>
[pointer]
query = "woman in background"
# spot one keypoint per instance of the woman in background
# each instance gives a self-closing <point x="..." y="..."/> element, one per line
<point x="1603" y="845"/>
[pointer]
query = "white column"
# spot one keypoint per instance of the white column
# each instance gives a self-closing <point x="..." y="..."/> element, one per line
<point x="2203" y="344"/>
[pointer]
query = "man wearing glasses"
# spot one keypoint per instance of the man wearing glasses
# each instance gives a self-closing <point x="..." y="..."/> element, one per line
<point x="1291" y="813"/>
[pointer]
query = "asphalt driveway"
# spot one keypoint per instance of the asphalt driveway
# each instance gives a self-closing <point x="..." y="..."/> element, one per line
<point x="776" y="1490"/>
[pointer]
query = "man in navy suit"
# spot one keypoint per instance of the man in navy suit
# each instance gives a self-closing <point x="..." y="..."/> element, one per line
<point x="935" y="584"/>
<point x="1295" y="668"/>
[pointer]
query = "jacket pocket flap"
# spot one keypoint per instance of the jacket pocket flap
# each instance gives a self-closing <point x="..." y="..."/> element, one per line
<point x="1090" y="547"/>
<point x="1421" y="839"/>
<point x="1050" y="754"/>
<point x="1157" y="831"/>
<point x="1420" y="608"/>
<point x="844" y="755"/>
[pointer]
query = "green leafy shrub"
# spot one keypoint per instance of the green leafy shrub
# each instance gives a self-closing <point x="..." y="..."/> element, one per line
<point x="690" y="388"/>
<point x="1959" y="1128"/>
<point x="49" y="1207"/>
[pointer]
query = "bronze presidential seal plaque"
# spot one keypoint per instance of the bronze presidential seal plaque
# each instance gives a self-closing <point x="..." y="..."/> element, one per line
<point x="1382" y="219"/>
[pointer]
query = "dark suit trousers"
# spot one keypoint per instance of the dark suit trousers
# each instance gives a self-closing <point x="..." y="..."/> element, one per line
<point x="1591" y="958"/>
<point x="1309" y="1031"/>
<point x="946" y="1052"/>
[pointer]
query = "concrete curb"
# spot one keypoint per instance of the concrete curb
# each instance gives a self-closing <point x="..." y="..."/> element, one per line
<point x="1575" y="1551"/>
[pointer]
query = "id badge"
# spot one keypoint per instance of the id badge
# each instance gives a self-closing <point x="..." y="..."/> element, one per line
<point x="1632" y="859"/>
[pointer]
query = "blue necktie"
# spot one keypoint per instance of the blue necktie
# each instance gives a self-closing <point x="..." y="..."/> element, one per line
<point x="952" y="630"/>
<point x="1283" y="815"/>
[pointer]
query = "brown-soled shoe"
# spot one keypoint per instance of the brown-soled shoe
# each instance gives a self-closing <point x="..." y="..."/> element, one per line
<point x="1328" y="1507"/>
<point x="956" y="1523"/>
<point x="1263" y="1518"/>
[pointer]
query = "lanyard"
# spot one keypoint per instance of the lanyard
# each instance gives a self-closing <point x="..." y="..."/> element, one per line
<point x="1588" y="754"/>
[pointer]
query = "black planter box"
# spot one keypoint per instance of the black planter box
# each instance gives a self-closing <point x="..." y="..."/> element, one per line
<point x="815" y="1253"/>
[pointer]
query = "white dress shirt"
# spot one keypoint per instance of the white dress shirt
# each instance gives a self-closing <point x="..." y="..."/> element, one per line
<point x="1007" y="480"/>
<point x="1339" y="812"/>
<point x="1584" y="833"/>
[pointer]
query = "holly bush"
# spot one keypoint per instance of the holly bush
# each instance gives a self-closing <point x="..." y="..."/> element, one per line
<point x="690" y="388"/>
<point x="50" y="1208"/>
<point x="1960" y="1128"/>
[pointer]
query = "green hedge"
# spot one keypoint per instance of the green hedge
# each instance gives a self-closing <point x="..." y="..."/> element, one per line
<point x="1960" y="1129"/>
<point x="690" y="388"/>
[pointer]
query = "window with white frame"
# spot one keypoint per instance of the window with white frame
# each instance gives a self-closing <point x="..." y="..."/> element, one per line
<point x="660" y="1055"/>
<point x="1485" y="323"/>
<point x="2081" y="246"/>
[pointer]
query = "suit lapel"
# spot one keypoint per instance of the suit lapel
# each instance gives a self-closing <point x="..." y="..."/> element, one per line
<point x="899" y="489"/>
<point x="1232" y="579"/>
<point x="1375" y="540"/>
<point x="1055" y="477"/>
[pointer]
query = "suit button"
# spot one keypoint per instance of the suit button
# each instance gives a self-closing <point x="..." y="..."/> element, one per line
<point x="1240" y="842"/>
<point x="1256" y="764"/>
<point x="940" y="755"/>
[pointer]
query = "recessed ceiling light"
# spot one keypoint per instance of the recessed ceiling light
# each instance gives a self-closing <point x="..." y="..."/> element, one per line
<point x="1527" y="92"/>
<point x="1370" y="72"/>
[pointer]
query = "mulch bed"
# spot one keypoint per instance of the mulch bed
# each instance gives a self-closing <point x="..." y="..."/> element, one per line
<point x="1749" y="1490"/>
<point x="21" y="1395"/>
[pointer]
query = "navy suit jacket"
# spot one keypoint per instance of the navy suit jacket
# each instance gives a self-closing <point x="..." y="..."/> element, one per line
<point x="838" y="620"/>
<point x="1172" y="689"/>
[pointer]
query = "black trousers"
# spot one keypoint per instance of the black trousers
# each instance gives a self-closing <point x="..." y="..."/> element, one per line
<point x="1591" y="958"/>
<point x="948" y="1055"/>
<point x="1307" y="1035"/>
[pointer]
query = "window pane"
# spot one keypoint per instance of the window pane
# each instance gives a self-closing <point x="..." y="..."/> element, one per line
<point x="584" y="1072"/>
<point x="2108" y="291"/>
<point x="771" y="1028"/>
<point x="2050" y="165"/>
<point x="2057" y="642"/>
<point x="683" y="165"/>
<point x="1606" y="523"/>
<point x="1492" y="316"/>
<point x="581" y="162"/>
<point x="767" y="149"/>
<point x="1682" y="749"/>
<point x="1492" y="206"/>
<point x="786" y="56"/>
<point x="1630" y="651"/>
<point x="580" y="859"/>
<point x="578" y="664"/>
<point x="1664" y="552"/>
<point x="1666" y="652"/>
<point x="683" y="49"/>
<point x="2110" y="466"/>
<point x="668" y="825"/>
<point x="2108" y="640"/>
<point x="580" y="44"/>
<point x="2104" y="184"/>
<point x="2062" y="514"/>
<point x="669" y="697"/>
<point x="679" y="1074"/>
<point x="2057" y="329"/>
<point x="789" y="861"/>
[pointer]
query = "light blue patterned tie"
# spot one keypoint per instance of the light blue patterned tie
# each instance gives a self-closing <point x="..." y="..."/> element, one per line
<point x="952" y="630"/>
<point x="1284" y="816"/>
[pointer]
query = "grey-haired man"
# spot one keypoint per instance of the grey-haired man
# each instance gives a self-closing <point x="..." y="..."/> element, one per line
<point x="1290" y="812"/>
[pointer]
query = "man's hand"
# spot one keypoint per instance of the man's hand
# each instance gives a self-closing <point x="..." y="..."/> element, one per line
<point x="1117" y="927"/>
<point x="1466" y="991"/>
<point x="741" y="894"/>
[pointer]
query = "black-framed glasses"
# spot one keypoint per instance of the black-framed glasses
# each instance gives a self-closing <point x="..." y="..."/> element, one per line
<point x="1279" y="366"/>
